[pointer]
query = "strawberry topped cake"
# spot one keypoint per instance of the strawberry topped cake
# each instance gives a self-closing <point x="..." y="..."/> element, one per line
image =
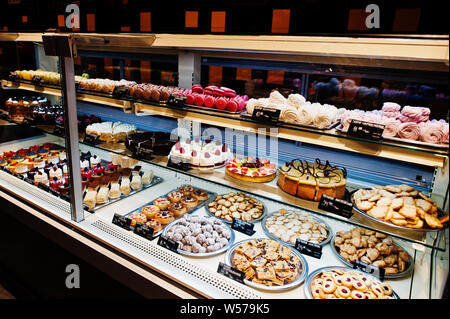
<point x="251" y="169"/>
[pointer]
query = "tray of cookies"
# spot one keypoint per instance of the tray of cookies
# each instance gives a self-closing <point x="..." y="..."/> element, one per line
<point x="200" y="236"/>
<point x="160" y="212"/>
<point x="288" y="226"/>
<point x="236" y="205"/>
<point x="400" y="206"/>
<point x="267" y="264"/>
<point x="372" y="248"/>
<point x="343" y="283"/>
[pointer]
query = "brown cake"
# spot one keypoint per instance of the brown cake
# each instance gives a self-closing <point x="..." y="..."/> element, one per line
<point x="309" y="180"/>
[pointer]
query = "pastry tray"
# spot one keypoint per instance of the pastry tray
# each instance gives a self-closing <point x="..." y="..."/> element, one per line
<point x="408" y="270"/>
<point x="329" y="127"/>
<point x="230" y="222"/>
<point x="270" y="235"/>
<point x="425" y="229"/>
<point x="217" y="252"/>
<point x="300" y="279"/>
<point x="317" y="272"/>
<point x="211" y="195"/>
<point x="403" y="140"/>
<point x="155" y="180"/>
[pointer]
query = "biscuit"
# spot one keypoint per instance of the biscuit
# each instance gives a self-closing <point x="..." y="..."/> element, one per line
<point x="384" y="201"/>
<point x="378" y="212"/>
<point x="409" y="211"/>
<point x="392" y="188"/>
<point x="397" y="203"/>
<point x="365" y="205"/>
<point x="432" y="221"/>
<point x="425" y="205"/>
<point x="405" y="188"/>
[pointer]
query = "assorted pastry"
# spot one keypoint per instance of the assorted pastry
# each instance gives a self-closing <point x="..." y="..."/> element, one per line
<point x="266" y="262"/>
<point x="372" y="248"/>
<point x="202" y="155"/>
<point x="17" y="109"/>
<point x="38" y="76"/>
<point x="111" y="131"/>
<point x="289" y="226"/>
<point x="295" y="110"/>
<point x="400" y="205"/>
<point x="251" y="169"/>
<point x="166" y="209"/>
<point x="236" y="205"/>
<point x="200" y="235"/>
<point x="309" y="180"/>
<point x="340" y="283"/>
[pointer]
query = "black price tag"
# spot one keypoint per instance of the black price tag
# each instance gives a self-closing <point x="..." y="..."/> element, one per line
<point x="266" y="115"/>
<point x="308" y="248"/>
<point x="144" y="231"/>
<point x="53" y="192"/>
<point x="19" y="176"/>
<point x="177" y="100"/>
<point x="65" y="197"/>
<point x="44" y="187"/>
<point x="143" y="153"/>
<point x="369" y="269"/>
<point x="29" y="180"/>
<point x="91" y="139"/>
<point x="59" y="130"/>
<point x="336" y="206"/>
<point x="231" y="272"/>
<point x="168" y="244"/>
<point x="243" y="227"/>
<point x="122" y="221"/>
<point x="120" y="91"/>
<point x="7" y="170"/>
<point x="179" y="163"/>
<point x="366" y="130"/>
<point x="28" y="120"/>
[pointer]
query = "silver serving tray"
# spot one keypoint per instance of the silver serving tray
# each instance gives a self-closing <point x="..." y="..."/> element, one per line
<point x="269" y="234"/>
<point x="210" y="196"/>
<point x="300" y="279"/>
<point x="230" y="222"/>
<point x="317" y="272"/>
<point x="440" y="213"/>
<point x="214" y="253"/>
<point x="405" y="273"/>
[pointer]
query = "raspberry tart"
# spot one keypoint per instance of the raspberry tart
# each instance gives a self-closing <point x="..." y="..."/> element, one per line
<point x="251" y="169"/>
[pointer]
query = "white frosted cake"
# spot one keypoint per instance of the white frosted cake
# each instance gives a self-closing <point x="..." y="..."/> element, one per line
<point x="201" y="154"/>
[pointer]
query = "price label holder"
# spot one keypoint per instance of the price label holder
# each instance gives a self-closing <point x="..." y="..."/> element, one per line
<point x="179" y="163"/>
<point x="29" y="180"/>
<point x="59" y="130"/>
<point x="91" y="139"/>
<point x="7" y="170"/>
<point x="20" y="176"/>
<point x="242" y="227"/>
<point x="44" y="187"/>
<point x="65" y="197"/>
<point x="266" y="115"/>
<point x="144" y="231"/>
<point x="369" y="269"/>
<point x="168" y="243"/>
<point x="177" y="101"/>
<point x="231" y="272"/>
<point x="307" y="248"/>
<point x="54" y="192"/>
<point x="336" y="206"/>
<point x="366" y="130"/>
<point x="122" y="221"/>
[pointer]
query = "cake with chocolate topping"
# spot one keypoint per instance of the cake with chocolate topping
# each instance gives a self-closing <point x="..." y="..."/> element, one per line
<point x="309" y="180"/>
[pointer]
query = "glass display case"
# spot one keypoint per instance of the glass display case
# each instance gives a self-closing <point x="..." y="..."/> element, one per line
<point x="239" y="167"/>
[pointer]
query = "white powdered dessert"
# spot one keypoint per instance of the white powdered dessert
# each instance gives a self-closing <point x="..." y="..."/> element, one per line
<point x="111" y="131"/>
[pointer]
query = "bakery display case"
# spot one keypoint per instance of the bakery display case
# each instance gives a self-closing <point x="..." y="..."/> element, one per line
<point x="225" y="169"/>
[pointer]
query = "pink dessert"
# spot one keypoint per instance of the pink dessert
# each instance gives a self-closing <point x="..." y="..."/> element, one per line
<point x="199" y="100"/>
<point x="221" y="103"/>
<point x="210" y="101"/>
<point x="232" y="106"/>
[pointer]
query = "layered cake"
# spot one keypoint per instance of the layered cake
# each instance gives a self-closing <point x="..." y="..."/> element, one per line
<point x="309" y="180"/>
<point x="158" y="143"/>
<point x="251" y="169"/>
<point x="111" y="131"/>
<point x="201" y="154"/>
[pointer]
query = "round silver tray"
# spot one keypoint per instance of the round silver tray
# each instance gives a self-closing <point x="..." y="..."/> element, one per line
<point x="440" y="213"/>
<point x="217" y="252"/>
<point x="315" y="273"/>
<point x="270" y="235"/>
<point x="229" y="222"/>
<point x="300" y="279"/>
<point x="405" y="273"/>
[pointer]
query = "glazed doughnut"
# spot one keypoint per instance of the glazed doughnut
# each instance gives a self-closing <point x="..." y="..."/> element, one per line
<point x="189" y="202"/>
<point x="175" y="197"/>
<point x="358" y="294"/>
<point x="177" y="209"/>
<point x="186" y="190"/>
<point x="156" y="225"/>
<point x="387" y="289"/>
<point x="162" y="203"/>
<point x="343" y="292"/>
<point x="200" y="195"/>
<point x="164" y="217"/>
<point x="137" y="217"/>
<point x="328" y="287"/>
<point x="150" y="211"/>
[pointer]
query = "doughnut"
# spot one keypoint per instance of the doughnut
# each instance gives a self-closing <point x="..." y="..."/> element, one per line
<point x="162" y="203"/>
<point x="175" y="197"/>
<point x="137" y="217"/>
<point x="186" y="190"/>
<point x="343" y="292"/>
<point x="150" y="211"/>
<point x="200" y="195"/>
<point x="189" y="202"/>
<point x="328" y="287"/>
<point x="177" y="209"/>
<point x="156" y="225"/>
<point x="164" y="217"/>
<point x="387" y="289"/>
<point x="356" y="294"/>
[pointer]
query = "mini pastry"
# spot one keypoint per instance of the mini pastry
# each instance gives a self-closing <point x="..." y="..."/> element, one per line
<point x="137" y="217"/>
<point x="162" y="203"/>
<point x="115" y="192"/>
<point x="3" y="163"/>
<point x="41" y="177"/>
<point x="136" y="182"/>
<point x="90" y="199"/>
<point x="156" y="225"/>
<point x="200" y="195"/>
<point x="115" y="178"/>
<point x="175" y="197"/>
<point x="39" y="163"/>
<point x="150" y="211"/>
<point x="55" y="172"/>
<point x="94" y="161"/>
<point x="125" y="172"/>
<point x="87" y="173"/>
<point x="63" y="156"/>
<point x="31" y="155"/>
<point x="102" y="195"/>
<point x="189" y="202"/>
<point x="16" y="159"/>
<point x="164" y="217"/>
<point x="177" y="209"/>
<point x="186" y="189"/>
<point x="93" y="185"/>
<point x="55" y="183"/>
<point x="125" y="186"/>
<point x="53" y="158"/>
<point x="64" y="188"/>
<point x="105" y="181"/>
<point x="147" y="177"/>
<point x="84" y="164"/>
<point x="21" y="169"/>
<point x="42" y="152"/>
